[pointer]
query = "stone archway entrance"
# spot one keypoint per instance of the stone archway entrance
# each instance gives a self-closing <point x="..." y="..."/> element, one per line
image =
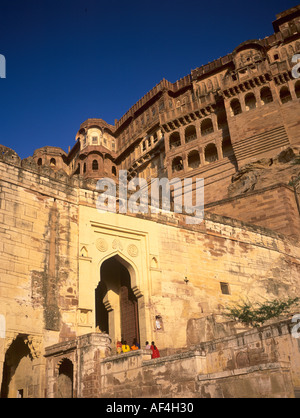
<point x="17" y="371"/>
<point x="65" y="379"/>
<point x="116" y="305"/>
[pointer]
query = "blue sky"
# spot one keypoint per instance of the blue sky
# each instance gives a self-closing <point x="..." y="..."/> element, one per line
<point x="70" y="60"/>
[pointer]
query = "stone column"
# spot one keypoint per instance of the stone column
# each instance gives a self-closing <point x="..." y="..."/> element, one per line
<point x="219" y="149"/>
<point x="291" y="86"/>
<point x="91" y="348"/>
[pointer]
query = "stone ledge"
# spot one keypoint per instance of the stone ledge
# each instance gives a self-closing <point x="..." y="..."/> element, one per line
<point x="60" y="348"/>
<point x="90" y="339"/>
<point x="174" y="357"/>
<point x="124" y="356"/>
<point x="244" y="371"/>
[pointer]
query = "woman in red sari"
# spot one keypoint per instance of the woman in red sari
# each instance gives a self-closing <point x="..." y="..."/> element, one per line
<point x="154" y="349"/>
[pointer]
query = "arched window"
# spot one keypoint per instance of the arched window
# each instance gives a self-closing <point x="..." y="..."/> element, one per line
<point x="190" y="133"/>
<point x="285" y="95"/>
<point x="227" y="149"/>
<point x="211" y="153"/>
<point x="40" y="161"/>
<point x="209" y="85"/>
<point x="177" y="164"/>
<point x="194" y="159"/>
<point x="206" y="127"/>
<point x="250" y="101"/>
<point x="174" y="140"/>
<point x="53" y="162"/>
<point x="297" y="89"/>
<point x="266" y="95"/>
<point x="95" y="165"/>
<point x="203" y="89"/>
<point x="236" y="108"/>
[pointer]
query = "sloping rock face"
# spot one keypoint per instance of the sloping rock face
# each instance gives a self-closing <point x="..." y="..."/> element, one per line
<point x="284" y="168"/>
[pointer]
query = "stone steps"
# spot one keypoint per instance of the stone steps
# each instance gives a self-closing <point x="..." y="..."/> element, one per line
<point x="255" y="145"/>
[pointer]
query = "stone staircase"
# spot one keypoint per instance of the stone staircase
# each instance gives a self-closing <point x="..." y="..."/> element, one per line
<point x="261" y="144"/>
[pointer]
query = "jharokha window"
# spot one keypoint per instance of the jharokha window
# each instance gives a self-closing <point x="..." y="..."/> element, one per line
<point x="236" y="108"/>
<point x="95" y="165"/>
<point x="211" y="154"/>
<point x="175" y="140"/>
<point x="266" y="95"/>
<point x="206" y="127"/>
<point x="250" y="101"/>
<point x="285" y="95"/>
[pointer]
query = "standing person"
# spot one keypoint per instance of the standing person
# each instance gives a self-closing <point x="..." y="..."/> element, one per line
<point x="125" y="347"/>
<point x="119" y="347"/>
<point x="154" y="349"/>
<point x="135" y="345"/>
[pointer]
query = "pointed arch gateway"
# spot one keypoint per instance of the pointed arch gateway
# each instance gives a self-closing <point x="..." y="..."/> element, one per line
<point x="17" y="369"/>
<point x="116" y="300"/>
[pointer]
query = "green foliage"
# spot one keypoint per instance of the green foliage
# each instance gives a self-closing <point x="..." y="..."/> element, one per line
<point x="295" y="181"/>
<point x="296" y="160"/>
<point x="256" y="315"/>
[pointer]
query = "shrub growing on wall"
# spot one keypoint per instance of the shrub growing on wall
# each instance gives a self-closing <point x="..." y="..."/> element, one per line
<point x="256" y="315"/>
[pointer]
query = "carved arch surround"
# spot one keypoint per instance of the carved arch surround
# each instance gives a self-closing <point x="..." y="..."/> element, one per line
<point x="128" y="240"/>
<point x="130" y="246"/>
<point x="33" y="342"/>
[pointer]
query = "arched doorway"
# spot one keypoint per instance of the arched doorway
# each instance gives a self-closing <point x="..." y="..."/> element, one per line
<point x="17" y="370"/>
<point x="65" y="379"/>
<point x="116" y="305"/>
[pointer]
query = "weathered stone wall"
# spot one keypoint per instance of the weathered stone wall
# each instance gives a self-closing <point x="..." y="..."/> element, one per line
<point x="255" y="363"/>
<point x="260" y="363"/>
<point x="178" y="269"/>
<point x="54" y="241"/>
<point x="273" y="207"/>
<point x="38" y="269"/>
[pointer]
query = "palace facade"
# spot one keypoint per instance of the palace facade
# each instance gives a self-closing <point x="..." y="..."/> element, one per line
<point x="74" y="281"/>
